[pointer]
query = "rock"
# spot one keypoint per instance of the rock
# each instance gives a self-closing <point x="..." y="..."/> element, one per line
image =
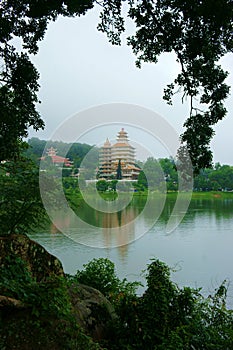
<point x="39" y="262"/>
<point x="11" y="302"/>
<point x="93" y="312"/>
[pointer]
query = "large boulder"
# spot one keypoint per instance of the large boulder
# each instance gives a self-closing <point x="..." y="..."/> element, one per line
<point x="93" y="312"/>
<point x="39" y="262"/>
<point x="21" y="329"/>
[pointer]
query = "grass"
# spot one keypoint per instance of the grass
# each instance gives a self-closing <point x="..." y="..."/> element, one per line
<point x="76" y="199"/>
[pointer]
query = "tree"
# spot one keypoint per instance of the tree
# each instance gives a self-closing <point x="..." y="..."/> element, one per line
<point x="218" y="178"/>
<point x="102" y="185"/>
<point x="119" y="172"/>
<point x="199" y="33"/>
<point x="165" y="316"/>
<point x="112" y="185"/>
<point x="170" y="172"/>
<point x="142" y="183"/>
<point x="223" y="177"/>
<point x="21" y="208"/>
<point x="152" y="175"/>
<point x="28" y="21"/>
<point x="76" y="151"/>
<point x="202" y="181"/>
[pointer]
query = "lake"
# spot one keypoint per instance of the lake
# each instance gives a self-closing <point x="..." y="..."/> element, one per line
<point x="199" y="250"/>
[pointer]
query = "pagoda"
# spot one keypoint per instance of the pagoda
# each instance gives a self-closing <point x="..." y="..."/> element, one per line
<point x="57" y="160"/>
<point x="120" y="152"/>
<point x="105" y="160"/>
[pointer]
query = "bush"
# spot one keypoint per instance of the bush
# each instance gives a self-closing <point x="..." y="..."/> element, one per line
<point x="44" y="320"/>
<point x="165" y="317"/>
<point x="100" y="274"/>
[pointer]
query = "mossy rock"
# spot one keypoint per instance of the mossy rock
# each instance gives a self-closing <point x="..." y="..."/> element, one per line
<point x="39" y="262"/>
<point x="92" y="311"/>
<point x="40" y="308"/>
<point x="21" y="330"/>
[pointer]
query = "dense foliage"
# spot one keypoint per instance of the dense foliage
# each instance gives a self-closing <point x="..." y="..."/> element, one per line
<point x="26" y="20"/>
<point x="155" y="173"/>
<point x="76" y="151"/>
<point x="21" y="208"/>
<point x="217" y="178"/>
<point x="198" y="32"/>
<point x="101" y="274"/>
<point x="165" y="316"/>
<point x="44" y="314"/>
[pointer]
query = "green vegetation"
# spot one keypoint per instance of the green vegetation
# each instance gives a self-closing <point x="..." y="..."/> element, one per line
<point x="198" y="32"/>
<point x="102" y="185"/>
<point x="164" y="317"/>
<point x="21" y="208"/>
<point x="74" y="151"/>
<point x="42" y="312"/>
<point x="28" y="21"/>
<point x="101" y="274"/>
<point x="218" y="178"/>
<point x="161" y="174"/>
<point x="213" y="195"/>
<point x="119" y="172"/>
<point x="155" y="172"/>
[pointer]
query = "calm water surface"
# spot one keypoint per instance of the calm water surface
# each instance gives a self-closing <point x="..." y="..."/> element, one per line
<point x="200" y="249"/>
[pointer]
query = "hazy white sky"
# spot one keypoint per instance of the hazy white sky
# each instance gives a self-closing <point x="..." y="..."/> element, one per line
<point x="79" y="69"/>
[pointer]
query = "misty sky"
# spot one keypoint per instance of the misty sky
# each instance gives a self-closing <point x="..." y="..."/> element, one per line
<point x="79" y="69"/>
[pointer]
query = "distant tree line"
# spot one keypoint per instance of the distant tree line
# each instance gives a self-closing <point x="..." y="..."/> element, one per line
<point x="220" y="177"/>
<point x="198" y="33"/>
<point x="76" y="152"/>
<point x="155" y="174"/>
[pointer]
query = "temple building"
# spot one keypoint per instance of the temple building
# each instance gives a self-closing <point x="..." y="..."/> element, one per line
<point x="105" y="160"/>
<point x="119" y="153"/>
<point x="57" y="160"/>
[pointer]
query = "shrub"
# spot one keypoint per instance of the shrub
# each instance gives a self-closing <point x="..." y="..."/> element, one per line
<point x="100" y="274"/>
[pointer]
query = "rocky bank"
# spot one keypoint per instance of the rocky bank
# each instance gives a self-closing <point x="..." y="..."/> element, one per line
<point x="90" y="314"/>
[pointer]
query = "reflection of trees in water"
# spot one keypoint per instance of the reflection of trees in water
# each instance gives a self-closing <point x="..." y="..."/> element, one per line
<point x="100" y="218"/>
<point x="152" y="208"/>
<point x="118" y="227"/>
<point x="121" y="227"/>
<point x="216" y="207"/>
<point x="124" y="228"/>
<point x="219" y="208"/>
<point x="119" y="218"/>
<point x="61" y="220"/>
<point x="198" y="208"/>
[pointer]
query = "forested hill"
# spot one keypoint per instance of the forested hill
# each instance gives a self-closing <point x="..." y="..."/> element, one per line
<point x="76" y="153"/>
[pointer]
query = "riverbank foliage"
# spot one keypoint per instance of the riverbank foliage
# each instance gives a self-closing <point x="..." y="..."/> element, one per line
<point x="198" y="33"/>
<point x="37" y="314"/>
<point x="164" y="317"/>
<point x="21" y="208"/>
<point x="157" y="174"/>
